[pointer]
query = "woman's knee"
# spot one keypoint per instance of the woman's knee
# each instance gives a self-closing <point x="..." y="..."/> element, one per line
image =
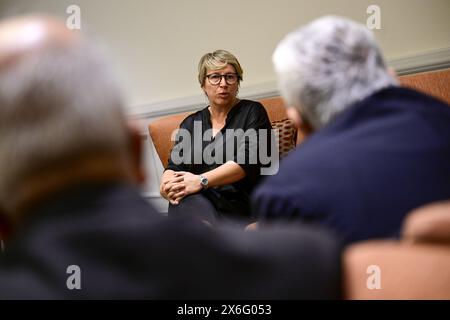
<point x="196" y="205"/>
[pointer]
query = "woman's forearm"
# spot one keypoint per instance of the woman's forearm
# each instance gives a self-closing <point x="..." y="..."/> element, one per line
<point x="227" y="173"/>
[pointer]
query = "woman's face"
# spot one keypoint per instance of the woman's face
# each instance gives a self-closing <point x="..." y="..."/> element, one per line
<point x="221" y="94"/>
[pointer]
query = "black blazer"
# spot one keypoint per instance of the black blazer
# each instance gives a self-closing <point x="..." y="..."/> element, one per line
<point x="124" y="249"/>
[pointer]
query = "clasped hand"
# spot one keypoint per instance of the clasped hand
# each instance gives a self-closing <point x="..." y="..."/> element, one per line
<point x="178" y="184"/>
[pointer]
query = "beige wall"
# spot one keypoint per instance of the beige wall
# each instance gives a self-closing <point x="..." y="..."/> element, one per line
<point x="156" y="44"/>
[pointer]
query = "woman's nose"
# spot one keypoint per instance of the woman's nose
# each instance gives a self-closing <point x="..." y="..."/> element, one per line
<point x="223" y="82"/>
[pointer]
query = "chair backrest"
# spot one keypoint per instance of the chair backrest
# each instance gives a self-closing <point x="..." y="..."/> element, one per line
<point x="275" y="107"/>
<point x="435" y="83"/>
<point x="415" y="267"/>
<point x="161" y="131"/>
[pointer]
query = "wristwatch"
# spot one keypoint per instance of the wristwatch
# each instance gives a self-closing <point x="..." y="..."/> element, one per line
<point x="204" y="182"/>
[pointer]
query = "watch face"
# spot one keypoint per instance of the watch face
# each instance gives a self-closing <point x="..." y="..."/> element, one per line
<point x="204" y="181"/>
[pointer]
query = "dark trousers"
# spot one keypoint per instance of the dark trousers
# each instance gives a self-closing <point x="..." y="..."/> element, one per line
<point x="210" y="206"/>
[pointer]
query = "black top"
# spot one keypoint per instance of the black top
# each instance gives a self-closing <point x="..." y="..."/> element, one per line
<point x="197" y="151"/>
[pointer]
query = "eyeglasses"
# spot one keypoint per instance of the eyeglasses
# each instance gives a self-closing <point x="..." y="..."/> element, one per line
<point x="215" y="78"/>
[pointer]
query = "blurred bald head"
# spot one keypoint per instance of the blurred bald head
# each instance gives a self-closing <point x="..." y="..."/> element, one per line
<point x="60" y="107"/>
<point x="21" y="36"/>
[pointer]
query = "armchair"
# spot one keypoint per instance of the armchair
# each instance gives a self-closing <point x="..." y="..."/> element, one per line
<point x="415" y="267"/>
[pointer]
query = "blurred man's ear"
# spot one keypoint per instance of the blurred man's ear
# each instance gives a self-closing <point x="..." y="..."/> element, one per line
<point x="135" y="151"/>
<point x="300" y="122"/>
<point x="393" y="73"/>
<point x="294" y="115"/>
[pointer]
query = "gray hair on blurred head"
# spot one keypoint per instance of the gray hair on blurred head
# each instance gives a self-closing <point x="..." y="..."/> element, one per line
<point x="328" y="65"/>
<point x="56" y="102"/>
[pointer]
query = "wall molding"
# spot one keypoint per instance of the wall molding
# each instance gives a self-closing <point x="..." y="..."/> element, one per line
<point x="422" y="62"/>
<point x="197" y="102"/>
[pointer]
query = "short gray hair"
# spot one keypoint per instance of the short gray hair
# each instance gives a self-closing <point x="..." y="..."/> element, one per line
<point x="56" y="102"/>
<point x="328" y="65"/>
